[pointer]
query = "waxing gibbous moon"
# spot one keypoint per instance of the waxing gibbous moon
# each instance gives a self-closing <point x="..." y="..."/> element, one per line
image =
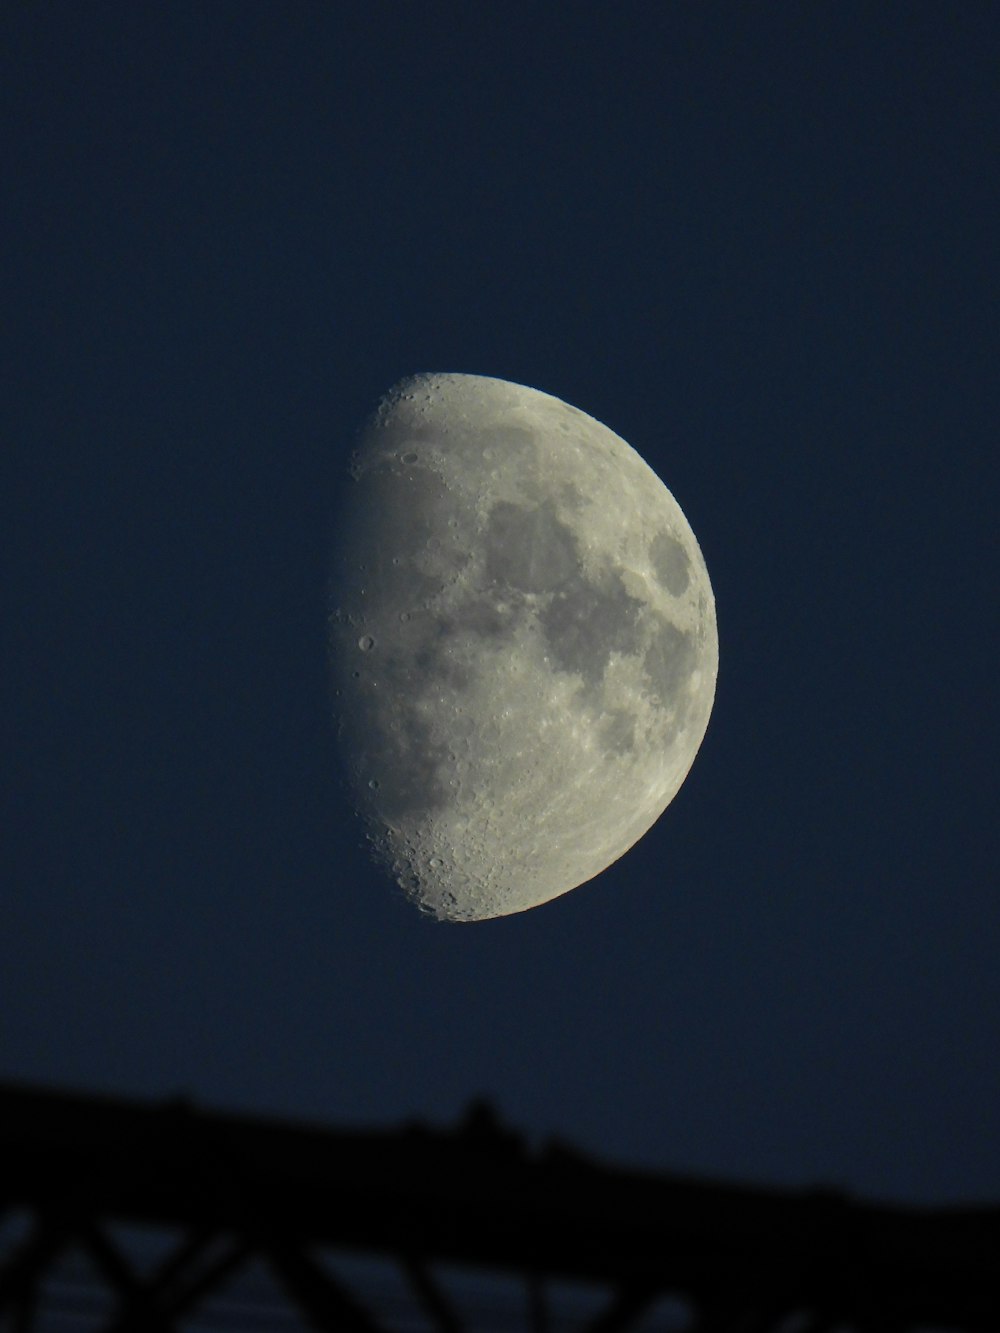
<point x="522" y="639"/>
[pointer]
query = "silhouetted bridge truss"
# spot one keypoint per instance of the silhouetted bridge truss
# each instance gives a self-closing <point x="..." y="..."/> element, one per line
<point x="135" y="1218"/>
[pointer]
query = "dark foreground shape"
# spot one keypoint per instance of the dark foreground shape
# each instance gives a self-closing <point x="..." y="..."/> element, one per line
<point x="289" y="1221"/>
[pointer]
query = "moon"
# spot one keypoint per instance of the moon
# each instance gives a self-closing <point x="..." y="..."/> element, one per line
<point x="523" y="644"/>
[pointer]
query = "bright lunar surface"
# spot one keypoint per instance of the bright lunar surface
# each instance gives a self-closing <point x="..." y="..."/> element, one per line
<point x="523" y="644"/>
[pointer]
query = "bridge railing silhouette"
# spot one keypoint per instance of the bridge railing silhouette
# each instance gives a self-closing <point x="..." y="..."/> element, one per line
<point x="296" y="1211"/>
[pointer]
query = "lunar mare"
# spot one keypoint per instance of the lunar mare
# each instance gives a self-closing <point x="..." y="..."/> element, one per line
<point x="523" y="644"/>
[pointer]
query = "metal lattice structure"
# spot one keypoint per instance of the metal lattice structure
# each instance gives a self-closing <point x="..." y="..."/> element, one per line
<point x="302" y="1207"/>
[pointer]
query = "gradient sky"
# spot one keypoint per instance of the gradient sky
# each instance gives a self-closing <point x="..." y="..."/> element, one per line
<point x="759" y="242"/>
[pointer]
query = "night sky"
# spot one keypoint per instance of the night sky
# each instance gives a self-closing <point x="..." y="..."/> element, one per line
<point x="760" y="243"/>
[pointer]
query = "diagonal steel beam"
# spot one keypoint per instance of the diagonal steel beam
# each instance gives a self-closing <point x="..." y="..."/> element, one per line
<point x="327" y="1305"/>
<point x="431" y="1295"/>
<point x="22" y="1272"/>
<point x="159" y="1303"/>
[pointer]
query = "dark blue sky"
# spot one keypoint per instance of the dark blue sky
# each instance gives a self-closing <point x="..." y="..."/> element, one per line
<point x="759" y="242"/>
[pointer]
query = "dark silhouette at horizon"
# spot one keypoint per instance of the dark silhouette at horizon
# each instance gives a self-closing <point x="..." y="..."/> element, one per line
<point x="301" y="1203"/>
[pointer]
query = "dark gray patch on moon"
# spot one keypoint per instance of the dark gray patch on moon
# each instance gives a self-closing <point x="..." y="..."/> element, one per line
<point x="617" y="731"/>
<point x="584" y="623"/>
<point x="486" y="619"/>
<point x="438" y="666"/>
<point x="669" y="661"/>
<point x="670" y="563"/>
<point x="532" y="551"/>
<point x="529" y="549"/>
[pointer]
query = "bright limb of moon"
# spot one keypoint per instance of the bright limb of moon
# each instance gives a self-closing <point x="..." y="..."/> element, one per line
<point x="523" y="644"/>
